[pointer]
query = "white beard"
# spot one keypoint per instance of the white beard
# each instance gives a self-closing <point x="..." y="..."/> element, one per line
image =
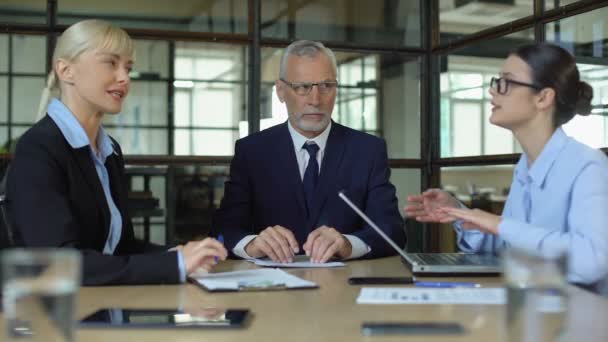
<point x="308" y="126"/>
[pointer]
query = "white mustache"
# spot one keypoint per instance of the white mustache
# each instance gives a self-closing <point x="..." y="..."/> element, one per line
<point x="313" y="112"/>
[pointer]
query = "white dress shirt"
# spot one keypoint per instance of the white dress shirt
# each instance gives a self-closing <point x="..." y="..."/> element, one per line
<point x="359" y="248"/>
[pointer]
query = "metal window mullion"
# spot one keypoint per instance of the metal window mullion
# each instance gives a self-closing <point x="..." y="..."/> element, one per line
<point x="253" y="113"/>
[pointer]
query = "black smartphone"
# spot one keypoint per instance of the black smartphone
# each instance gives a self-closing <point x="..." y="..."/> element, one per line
<point x="164" y="318"/>
<point x="380" y="280"/>
<point x="411" y="328"/>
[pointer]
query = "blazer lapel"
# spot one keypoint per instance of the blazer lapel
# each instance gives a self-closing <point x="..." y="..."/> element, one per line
<point x="287" y="156"/>
<point x="330" y="164"/>
<point x="83" y="159"/>
<point x="114" y="167"/>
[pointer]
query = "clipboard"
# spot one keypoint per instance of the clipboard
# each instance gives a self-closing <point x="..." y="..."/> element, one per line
<point x="251" y="280"/>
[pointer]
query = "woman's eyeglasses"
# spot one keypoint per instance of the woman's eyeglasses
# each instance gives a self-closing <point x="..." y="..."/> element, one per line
<point x="501" y="84"/>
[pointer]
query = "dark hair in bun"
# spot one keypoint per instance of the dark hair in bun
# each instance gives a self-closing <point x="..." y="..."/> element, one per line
<point x="554" y="67"/>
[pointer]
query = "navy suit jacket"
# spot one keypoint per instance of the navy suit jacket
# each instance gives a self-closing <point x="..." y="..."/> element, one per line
<point x="55" y="199"/>
<point x="265" y="189"/>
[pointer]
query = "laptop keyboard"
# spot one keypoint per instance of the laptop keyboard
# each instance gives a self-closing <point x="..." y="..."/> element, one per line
<point x="453" y="259"/>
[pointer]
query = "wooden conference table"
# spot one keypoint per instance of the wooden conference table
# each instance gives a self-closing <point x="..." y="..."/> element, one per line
<point x="329" y="313"/>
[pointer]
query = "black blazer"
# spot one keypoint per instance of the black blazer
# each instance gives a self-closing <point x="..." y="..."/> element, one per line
<point x="265" y="189"/>
<point x="55" y="199"/>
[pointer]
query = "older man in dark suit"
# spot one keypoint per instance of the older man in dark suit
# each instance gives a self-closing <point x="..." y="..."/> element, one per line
<point x="282" y="196"/>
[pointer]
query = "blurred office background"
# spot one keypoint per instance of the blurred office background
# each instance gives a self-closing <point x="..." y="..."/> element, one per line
<point x="415" y="72"/>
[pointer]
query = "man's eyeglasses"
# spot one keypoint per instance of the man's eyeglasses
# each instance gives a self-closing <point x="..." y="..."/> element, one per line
<point x="501" y="84"/>
<point x="304" y="89"/>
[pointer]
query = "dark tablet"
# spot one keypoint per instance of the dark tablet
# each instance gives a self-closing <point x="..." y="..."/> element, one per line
<point x="164" y="318"/>
<point x="411" y="328"/>
<point x="380" y="280"/>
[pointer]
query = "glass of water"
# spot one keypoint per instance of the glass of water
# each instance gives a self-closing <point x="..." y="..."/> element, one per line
<point x="536" y="295"/>
<point x="39" y="288"/>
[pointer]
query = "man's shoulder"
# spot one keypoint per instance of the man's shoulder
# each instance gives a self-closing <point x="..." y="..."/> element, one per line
<point x="357" y="137"/>
<point x="268" y="135"/>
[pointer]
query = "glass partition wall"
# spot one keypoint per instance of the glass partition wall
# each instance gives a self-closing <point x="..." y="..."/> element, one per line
<point x="415" y="73"/>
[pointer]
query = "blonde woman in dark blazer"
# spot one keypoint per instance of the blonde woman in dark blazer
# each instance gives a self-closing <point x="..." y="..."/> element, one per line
<point x="67" y="186"/>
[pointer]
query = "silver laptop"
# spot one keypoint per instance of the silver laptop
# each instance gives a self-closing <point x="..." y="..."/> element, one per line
<point x="437" y="263"/>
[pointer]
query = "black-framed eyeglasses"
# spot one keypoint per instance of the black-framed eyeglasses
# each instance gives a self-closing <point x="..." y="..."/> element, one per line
<point x="501" y="84"/>
<point x="303" y="89"/>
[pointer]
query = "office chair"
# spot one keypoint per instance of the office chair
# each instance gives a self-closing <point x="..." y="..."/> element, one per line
<point x="6" y="232"/>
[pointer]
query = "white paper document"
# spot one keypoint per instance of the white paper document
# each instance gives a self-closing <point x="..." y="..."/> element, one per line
<point x="302" y="261"/>
<point x="252" y="279"/>
<point x="400" y="295"/>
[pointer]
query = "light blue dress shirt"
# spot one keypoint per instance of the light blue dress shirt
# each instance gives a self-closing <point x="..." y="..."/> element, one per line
<point x="559" y="203"/>
<point x="77" y="138"/>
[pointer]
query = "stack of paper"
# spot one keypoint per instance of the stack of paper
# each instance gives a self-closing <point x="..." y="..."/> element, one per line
<point x="252" y="279"/>
<point x="458" y="295"/>
<point x="298" y="261"/>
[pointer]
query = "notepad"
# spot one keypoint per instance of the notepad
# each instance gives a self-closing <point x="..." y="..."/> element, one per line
<point x="400" y="295"/>
<point x="252" y="280"/>
<point x="301" y="261"/>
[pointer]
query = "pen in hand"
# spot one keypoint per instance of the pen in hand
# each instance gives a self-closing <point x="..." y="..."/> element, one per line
<point x="220" y="238"/>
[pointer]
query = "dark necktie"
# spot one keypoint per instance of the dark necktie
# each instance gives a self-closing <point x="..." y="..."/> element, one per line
<point x="311" y="174"/>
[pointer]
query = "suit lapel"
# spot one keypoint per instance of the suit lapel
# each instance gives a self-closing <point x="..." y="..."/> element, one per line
<point x="330" y="164"/>
<point x="113" y="166"/>
<point x="83" y="159"/>
<point x="287" y="156"/>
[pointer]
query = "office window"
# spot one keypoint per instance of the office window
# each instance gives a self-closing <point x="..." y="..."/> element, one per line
<point x="584" y="36"/>
<point x="466" y="121"/>
<point x="368" y="22"/>
<point x="407" y="182"/>
<point x="497" y="140"/>
<point x="4" y="148"/>
<point x="551" y="4"/>
<point x="465" y="100"/>
<point x="210" y="98"/>
<point x="482" y="187"/>
<point x="17" y="130"/>
<point x="23" y="12"/>
<point x="358" y="95"/>
<point x="29" y="54"/>
<point x="26" y="96"/>
<point x="28" y="76"/>
<point x="142" y="125"/>
<point x="3" y="100"/>
<point x="220" y="16"/>
<point x="462" y="17"/>
<point x="377" y="93"/>
<point x="468" y="182"/>
<point x="145" y="105"/>
<point x="4" y="52"/>
<point x="21" y="83"/>
<point x="140" y="141"/>
<point x="151" y="59"/>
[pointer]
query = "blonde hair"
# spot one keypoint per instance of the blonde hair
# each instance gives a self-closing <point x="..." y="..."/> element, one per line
<point x="78" y="38"/>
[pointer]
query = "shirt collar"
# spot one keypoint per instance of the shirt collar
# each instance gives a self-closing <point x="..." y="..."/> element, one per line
<point x="541" y="166"/>
<point x="72" y="130"/>
<point x="299" y="140"/>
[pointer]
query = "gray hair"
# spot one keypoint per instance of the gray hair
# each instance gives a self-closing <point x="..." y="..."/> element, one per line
<point x="306" y="48"/>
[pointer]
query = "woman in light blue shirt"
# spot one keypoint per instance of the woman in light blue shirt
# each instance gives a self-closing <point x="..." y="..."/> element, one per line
<point x="559" y="195"/>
